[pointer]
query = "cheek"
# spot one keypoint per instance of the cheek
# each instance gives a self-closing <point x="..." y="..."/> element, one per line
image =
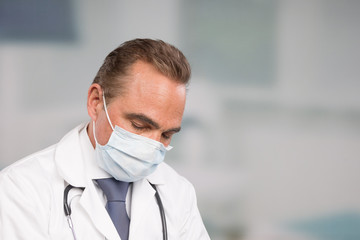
<point x="123" y="123"/>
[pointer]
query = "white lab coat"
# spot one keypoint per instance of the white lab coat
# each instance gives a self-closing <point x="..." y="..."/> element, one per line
<point x="31" y="200"/>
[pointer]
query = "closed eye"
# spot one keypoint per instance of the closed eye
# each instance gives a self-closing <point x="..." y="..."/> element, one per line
<point x="166" y="136"/>
<point x="138" y="126"/>
<point x="169" y="134"/>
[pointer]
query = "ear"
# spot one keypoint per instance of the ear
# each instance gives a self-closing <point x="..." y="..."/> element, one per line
<point x="94" y="101"/>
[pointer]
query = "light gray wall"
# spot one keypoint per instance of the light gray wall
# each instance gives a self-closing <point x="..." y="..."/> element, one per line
<point x="259" y="155"/>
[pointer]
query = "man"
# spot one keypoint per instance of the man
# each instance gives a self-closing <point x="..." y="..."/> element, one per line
<point x="135" y="103"/>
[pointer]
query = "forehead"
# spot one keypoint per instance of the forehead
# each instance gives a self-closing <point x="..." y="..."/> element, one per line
<point x="149" y="92"/>
<point x="143" y="78"/>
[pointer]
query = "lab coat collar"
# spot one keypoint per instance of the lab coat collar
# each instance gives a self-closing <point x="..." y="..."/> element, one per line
<point x="156" y="177"/>
<point x="69" y="159"/>
<point x="75" y="160"/>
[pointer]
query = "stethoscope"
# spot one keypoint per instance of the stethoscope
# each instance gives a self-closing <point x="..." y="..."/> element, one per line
<point x="67" y="210"/>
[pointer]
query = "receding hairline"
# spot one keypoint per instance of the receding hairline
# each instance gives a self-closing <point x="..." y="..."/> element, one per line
<point x="168" y="60"/>
<point x="127" y="78"/>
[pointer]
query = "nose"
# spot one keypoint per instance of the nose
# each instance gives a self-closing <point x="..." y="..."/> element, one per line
<point x="154" y="135"/>
<point x="157" y="136"/>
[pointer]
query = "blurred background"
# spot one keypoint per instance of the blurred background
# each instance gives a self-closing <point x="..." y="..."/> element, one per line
<point x="271" y="132"/>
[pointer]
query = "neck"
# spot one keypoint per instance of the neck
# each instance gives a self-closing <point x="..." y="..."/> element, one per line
<point x="90" y="133"/>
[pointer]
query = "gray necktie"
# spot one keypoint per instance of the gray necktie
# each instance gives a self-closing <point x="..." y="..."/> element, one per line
<point x="115" y="192"/>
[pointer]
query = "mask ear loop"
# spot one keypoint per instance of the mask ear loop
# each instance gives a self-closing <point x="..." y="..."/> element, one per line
<point x="106" y="112"/>
<point x="107" y="116"/>
<point x="94" y="133"/>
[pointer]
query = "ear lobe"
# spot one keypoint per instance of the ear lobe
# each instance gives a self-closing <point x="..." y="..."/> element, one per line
<point x="94" y="101"/>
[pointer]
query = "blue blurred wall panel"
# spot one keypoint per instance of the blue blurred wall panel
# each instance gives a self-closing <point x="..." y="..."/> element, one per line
<point x="36" y="20"/>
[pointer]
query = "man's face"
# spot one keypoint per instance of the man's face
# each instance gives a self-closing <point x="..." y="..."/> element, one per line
<point x="152" y="106"/>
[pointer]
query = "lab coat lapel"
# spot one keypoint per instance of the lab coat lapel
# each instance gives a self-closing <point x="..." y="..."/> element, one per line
<point x="143" y="198"/>
<point x="94" y="207"/>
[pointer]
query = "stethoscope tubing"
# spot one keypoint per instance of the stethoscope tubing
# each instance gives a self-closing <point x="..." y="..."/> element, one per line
<point x="162" y="212"/>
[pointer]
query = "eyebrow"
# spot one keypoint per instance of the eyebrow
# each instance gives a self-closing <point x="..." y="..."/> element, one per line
<point x="148" y="120"/>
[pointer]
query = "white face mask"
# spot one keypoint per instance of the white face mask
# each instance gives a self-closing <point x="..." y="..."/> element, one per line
<point x="129" y="157"/>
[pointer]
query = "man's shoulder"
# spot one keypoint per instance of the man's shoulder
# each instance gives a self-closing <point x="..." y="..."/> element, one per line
<point x="40" y="164"/>
<point x="27" y="186"/>
<point x="35" y="166"/>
